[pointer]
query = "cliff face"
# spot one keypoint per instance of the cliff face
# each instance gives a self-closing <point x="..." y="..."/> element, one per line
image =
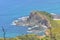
<point x="36" y="22"/>
<point x="34" y="18"/>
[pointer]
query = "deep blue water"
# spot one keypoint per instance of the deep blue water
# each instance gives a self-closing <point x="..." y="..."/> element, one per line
<point x="13" y="9"/>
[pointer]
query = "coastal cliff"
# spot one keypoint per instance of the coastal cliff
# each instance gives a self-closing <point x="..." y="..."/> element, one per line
<point x="37" y="22"/>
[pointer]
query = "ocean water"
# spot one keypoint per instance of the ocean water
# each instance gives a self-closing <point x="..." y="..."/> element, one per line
<point x="10" y="10"/>
<point x="11" y="31"/>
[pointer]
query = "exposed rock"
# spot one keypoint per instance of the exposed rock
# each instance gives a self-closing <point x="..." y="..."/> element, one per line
<point x="35" y="21"/>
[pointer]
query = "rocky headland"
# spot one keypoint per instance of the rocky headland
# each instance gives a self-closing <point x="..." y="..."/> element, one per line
<point x="37" y="22"/>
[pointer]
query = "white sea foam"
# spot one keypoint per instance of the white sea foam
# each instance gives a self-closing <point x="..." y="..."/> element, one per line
<point x="29" y="28"/>
<point x="13" y="23"/>
<point x="23" y="18"/>
<point x="34" y="26"/>
<point x="29" y="31"/>
<point x="53" y="14"/>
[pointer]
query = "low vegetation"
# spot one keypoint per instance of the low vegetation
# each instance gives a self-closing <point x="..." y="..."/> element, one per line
<point x="56" y="28"/>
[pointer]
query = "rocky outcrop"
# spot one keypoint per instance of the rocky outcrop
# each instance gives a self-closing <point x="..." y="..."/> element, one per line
<point x="36" y="22"/>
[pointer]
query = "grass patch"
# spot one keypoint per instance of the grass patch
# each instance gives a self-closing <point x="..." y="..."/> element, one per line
<point x="56" y="28"/>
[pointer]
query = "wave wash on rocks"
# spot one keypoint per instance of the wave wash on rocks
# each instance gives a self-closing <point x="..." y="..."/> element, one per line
<point x="36" y="22"/>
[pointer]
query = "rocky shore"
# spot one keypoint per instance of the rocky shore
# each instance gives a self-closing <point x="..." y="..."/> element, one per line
<point x="36" y="23"/>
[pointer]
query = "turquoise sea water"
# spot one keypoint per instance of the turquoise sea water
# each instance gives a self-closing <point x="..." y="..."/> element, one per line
<point x="13" y="9"/>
